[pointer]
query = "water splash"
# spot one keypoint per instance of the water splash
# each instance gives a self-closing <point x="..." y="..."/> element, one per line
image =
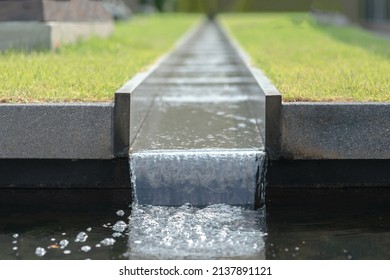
<point x="86" y="248"/>
<point x="120" y="213"/>
<point x="187" y="232"/>
<point x="108" y="241"/>
<point x="40" y="252"/>
<point x="81" y="237"/>
<point x="119" y="226"/>
<point x="133" y="179"/>
<point x="63" y="243"/>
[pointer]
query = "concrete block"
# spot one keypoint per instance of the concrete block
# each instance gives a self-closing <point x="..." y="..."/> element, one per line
<point x="49" y="35"/>
<point x="336" y="130"/>
<point x="24" y="35"/>
<point x="61" y="131"/>
<point x="71" y="32"/>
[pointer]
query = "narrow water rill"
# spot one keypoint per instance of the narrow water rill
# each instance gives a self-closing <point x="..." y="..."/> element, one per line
<point x="190" y="140"/>
<point x="197" y="155"/>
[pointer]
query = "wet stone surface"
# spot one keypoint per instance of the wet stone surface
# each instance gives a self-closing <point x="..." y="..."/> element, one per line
<point x="200" y="103"/>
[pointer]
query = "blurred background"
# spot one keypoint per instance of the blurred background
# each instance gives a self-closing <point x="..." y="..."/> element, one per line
<point x="368" y="13"/>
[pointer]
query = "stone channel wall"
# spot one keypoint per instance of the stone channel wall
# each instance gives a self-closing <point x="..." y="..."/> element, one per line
<point x="335" y="131"/>
<point x="56" y="131"/>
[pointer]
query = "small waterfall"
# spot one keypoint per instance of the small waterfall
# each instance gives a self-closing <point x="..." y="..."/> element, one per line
<point x="201" y="177"/>
<point x="186" y="231"/>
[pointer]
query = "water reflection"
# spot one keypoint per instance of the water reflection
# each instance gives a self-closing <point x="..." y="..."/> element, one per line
<point x="62" y="224"/>
<point x="300" y="224"/>
<point x="328" y="223"/>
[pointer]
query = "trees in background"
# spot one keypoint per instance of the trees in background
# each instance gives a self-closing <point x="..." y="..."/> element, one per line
<point x="241" y="5"/>
<point x="207" y="6"/>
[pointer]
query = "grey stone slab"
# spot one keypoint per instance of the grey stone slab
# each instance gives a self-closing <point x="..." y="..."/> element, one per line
<point x="64" y="173"/>
<point x="49" y="34"/>
<point x="336" y="130"/>
<point x="121" y="124"/>
<point x="61" y="131"/>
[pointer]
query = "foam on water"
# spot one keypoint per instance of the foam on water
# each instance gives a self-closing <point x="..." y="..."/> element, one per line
<point x="187" y="232"/>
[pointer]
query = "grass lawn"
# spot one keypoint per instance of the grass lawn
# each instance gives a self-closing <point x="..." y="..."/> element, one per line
<point x="90" y="70"/>
<point x="310" y="62"/>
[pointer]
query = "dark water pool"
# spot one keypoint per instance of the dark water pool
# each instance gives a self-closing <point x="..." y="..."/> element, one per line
<point x="328" y="224"/>
<point x="296" y="224"/>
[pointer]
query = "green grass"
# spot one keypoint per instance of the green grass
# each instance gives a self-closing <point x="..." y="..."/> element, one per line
<point x="310" y="62"/>
<point x="90" y="70"/>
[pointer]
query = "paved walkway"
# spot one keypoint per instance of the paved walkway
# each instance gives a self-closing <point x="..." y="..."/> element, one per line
<point x="196" y="127"/>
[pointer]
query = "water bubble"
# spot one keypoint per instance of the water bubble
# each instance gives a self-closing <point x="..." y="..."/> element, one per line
<point x="116" y="234"/>
<point x="63" y="243"/>
<point x="15" y="235"/>
<point x="86" y="248"/>
<point x="89" y="229"/>
<point x="120" y="226"/>
<point x="15" y="248"/>
<point x="209" y="231"/>
<point x="64" y="233"/>
<point x="108" y="241"/>
<point x="120" y="213"/>
<point x="98" y="245"/>
<point x="296" y="248"/>
<point x="67" y="252"/>
<point x="52" y="239"/>
<point x="345" y="251"/>
<point x="349" y="257"/>
<point x="14" y="242"/>
<point x="40" y="252"/>
<point x="81" y="237"/>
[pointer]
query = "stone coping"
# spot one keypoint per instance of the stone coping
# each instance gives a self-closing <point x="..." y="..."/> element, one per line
<point x="56" y="131"/>
<point x="335" y="131"/>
